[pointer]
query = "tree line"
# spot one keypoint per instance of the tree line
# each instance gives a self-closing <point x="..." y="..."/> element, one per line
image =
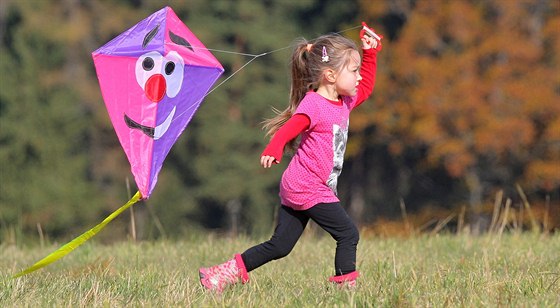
<point x="466" y="105"/>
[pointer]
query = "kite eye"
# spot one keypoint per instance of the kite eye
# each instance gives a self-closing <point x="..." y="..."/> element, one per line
<point x="169" y="68"/>
<point x="173" y="72"/>
<point x="148" y="64"/>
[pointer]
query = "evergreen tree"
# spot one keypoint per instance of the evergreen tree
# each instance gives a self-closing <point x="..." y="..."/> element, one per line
<point x="43" y="122"/>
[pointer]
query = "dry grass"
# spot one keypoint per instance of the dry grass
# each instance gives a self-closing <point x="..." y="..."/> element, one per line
<point x="512" y="269"/>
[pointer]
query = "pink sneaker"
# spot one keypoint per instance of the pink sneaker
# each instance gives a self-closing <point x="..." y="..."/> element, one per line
<point x="348" y="280"/>
<point x="216" y="278"/>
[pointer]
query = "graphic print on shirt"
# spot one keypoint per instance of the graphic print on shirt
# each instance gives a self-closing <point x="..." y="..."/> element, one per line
<point x="340" y="136"/>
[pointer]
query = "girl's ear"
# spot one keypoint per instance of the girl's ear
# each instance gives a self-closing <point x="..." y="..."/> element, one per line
<point x="330" y="75"/>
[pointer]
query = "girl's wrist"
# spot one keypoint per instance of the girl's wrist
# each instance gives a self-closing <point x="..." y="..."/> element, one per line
<point x="370" y="50"/>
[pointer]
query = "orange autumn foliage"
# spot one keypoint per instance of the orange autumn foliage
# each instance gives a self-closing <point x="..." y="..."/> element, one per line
<point x="473" y="81"/>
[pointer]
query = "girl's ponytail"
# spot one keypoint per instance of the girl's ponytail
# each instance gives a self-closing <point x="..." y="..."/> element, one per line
<point x="299" y="87"/>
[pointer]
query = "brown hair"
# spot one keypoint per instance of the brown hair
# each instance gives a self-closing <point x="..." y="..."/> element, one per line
<point x="307" y="68"/>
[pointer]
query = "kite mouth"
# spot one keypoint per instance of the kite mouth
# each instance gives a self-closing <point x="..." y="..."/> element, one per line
<point x="152" y="132"/>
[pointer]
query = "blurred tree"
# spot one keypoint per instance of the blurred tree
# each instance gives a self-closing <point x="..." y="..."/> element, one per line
<point x="44" y="122"/>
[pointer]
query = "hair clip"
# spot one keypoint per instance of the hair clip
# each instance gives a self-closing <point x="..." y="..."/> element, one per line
<point x="308" y="47"/>
<point x="325" y="57"/>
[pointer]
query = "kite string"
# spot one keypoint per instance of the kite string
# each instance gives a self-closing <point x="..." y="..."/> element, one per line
<point x="214" y="88"/>
<point x="253" y="58"/>
<point x="268" y="52"/>
<point x="233" y="74"/>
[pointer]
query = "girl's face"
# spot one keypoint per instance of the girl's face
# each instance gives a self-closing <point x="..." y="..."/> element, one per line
<point x="349" y="77"/>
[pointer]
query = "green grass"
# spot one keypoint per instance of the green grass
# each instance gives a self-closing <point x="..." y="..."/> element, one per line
<point x="519" y="269"/>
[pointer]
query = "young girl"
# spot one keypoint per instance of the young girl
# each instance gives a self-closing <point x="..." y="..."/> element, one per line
<point x="326" y="86"/>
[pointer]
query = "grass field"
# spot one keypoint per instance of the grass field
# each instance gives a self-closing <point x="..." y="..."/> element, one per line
<point x="518" y="269"/>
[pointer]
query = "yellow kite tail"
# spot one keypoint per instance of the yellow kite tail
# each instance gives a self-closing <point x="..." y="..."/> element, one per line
<point x="66" y="249"/>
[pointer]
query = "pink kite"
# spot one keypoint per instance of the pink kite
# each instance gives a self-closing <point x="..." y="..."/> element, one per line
<point x="153" y="78"/>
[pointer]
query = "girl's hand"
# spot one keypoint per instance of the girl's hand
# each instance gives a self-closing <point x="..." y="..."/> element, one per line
<point x="369" y="42"/>
<point x="267" y="161"/>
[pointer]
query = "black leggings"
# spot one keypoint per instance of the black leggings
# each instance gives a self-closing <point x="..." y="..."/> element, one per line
<point x="291" y="223"/>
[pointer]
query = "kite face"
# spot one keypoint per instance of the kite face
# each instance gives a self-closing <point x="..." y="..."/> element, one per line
<point x="153" y="78"/>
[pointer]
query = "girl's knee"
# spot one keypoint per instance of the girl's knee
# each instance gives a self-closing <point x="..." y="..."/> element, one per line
<point x="350" y="236"/>
<point x="279" y="249"/>
<point x="281" y="252"/>
<point x="354" y="234"/>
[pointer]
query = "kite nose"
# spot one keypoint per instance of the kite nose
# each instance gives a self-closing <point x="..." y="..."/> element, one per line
<point x="155" y="87"/>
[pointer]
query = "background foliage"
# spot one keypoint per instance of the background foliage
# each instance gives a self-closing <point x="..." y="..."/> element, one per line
<point x="466" y="106"/>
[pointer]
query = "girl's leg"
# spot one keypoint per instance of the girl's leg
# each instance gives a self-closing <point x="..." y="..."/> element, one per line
<point x="291" y="224"/>
<point x="290" y="227"/>
<point x="334" y="219"/>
